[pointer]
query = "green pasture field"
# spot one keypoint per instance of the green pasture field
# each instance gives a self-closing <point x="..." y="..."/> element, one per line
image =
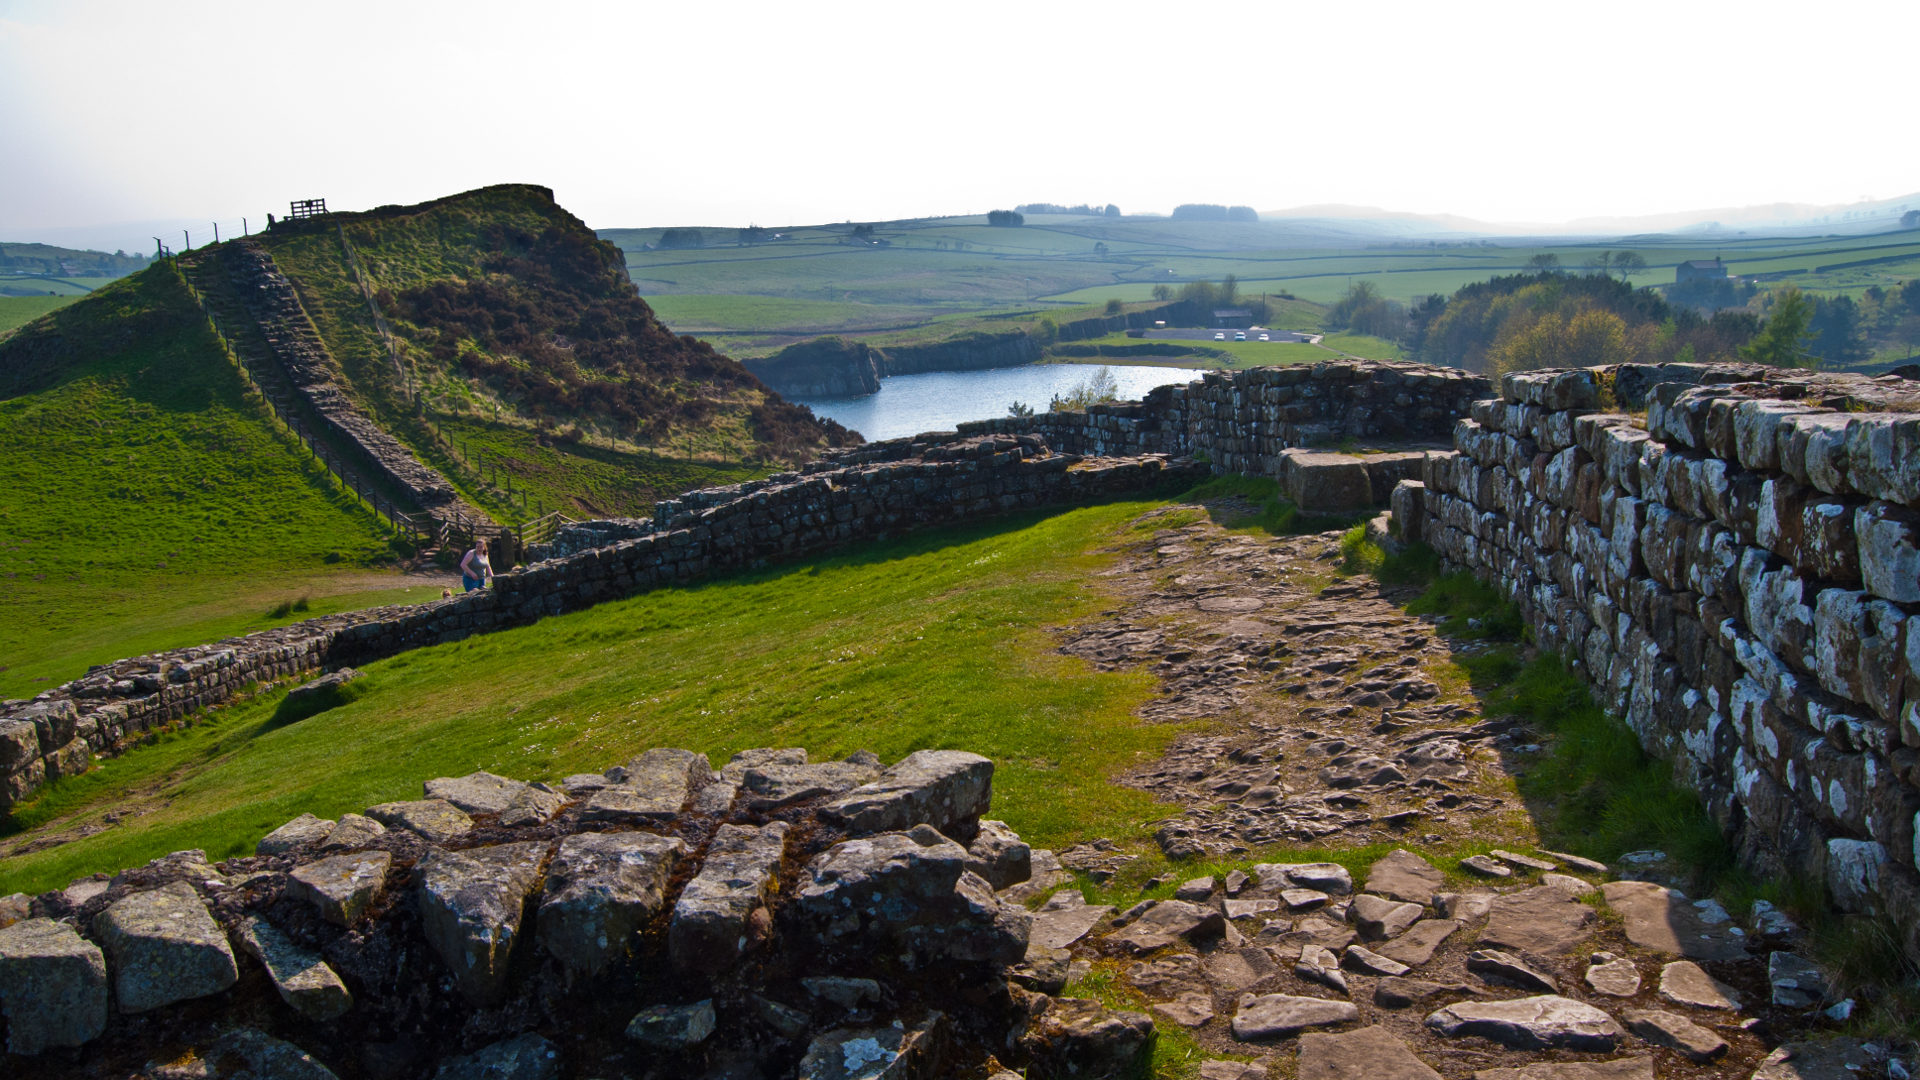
<point x="937" y="640"/>
<point x="148" y="501"/>
<point x="34" y="285"/>
<point x="1249" y="354"/>
<point x="17" y="311"/>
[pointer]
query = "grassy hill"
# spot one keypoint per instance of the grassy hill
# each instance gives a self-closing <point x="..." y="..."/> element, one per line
<point x="518" y="332"/>
<point x="147" y="500"/>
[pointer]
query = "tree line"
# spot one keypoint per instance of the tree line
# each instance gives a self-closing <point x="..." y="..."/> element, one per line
<point x="1084" y="209"/>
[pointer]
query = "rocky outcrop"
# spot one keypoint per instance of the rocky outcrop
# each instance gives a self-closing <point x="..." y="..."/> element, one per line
<point x="824" y="367"/>
<point x="670" y="945"/>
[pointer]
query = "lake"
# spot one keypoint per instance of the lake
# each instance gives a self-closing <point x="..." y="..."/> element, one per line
<point x="939" y="400"/>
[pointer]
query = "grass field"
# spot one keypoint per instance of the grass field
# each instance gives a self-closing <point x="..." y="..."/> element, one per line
<point x="938" y="640"/>
<point x="753" y="300"/>
<point x="17" y="311"/>
<point x="147" y="501"/>
<point x="1248" y="354"/>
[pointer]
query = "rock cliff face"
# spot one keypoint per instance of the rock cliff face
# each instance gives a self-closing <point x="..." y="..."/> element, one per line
<point x="509" y="929"/>
<point x="823" y="367"/>
<point x="1736" y="574"/>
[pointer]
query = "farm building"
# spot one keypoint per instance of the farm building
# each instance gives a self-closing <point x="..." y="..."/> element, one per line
<point x="1232" y="318"/>
<point x="1699" y="270"/>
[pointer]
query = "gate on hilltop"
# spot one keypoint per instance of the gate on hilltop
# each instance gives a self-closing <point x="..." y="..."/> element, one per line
<point x="301" y="209"/>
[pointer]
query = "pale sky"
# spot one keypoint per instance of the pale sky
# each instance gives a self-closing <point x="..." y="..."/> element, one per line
<point x="721" y="113"/>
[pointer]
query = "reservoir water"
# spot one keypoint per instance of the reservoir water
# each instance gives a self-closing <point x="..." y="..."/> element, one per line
<point x="938" y="400"/>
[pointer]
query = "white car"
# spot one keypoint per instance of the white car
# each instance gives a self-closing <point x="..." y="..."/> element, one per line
<point x="1220" y="336"/>
<point x="1264" y="337"/>
<point x="1239" y="335"/>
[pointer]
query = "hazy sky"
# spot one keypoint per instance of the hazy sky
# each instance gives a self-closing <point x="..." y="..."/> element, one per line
<point x="723" y="113"/>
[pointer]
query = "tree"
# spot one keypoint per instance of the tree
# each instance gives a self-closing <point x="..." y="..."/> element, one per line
<point x="1112" y="210"/>
<point x="1019" y="408"/>
<point x="1910" y="219"/>
<point x="1163" y="292"/>
<point x="1006" y="218"/>
<point x="1601" y="264"/>
<point x="1628" y="263"/>
<point x="1544" y="263"/>
<point x="1838" y="337"/>
<point x="1096" y="388"/>
<point x="1229" y="290"/>
<point x="1114" y="306"/>
<point x="1782" y="340"/>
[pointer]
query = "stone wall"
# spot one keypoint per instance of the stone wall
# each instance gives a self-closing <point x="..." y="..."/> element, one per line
<point x="788" y="517"/>
<point x="775" y="917"/>
<point x="1735" y="571"/>
<point x="297" y="350"/>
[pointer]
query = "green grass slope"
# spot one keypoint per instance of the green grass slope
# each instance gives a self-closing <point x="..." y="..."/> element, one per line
<point x="146" y="499"/>
<point x="938" y="640"/>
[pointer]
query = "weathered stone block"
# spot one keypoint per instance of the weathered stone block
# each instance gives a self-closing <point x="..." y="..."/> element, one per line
<point x="165" y="948"/>
<point x="602" y="888"/>
<point x="305" y="829"/>
<point x="1888" y="536"/>
<point x="471" y="906"/>
<point x="53" y="987"/>
<point x="341" y="888"/>
<point x="301" y="978"/>
<point x="947" y="789"/>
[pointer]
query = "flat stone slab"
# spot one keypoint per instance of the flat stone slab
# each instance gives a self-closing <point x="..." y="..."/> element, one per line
<point x="436" y="819"/>
<point x="1402" y="875"/>
<point x="1369" y="1053"/>
<point x="532" y="806"/>
<point x="1470" y="906"/>
<point x="1683" y="983"/>
<point x="601" y="889"/>
<point x="249" y="1051"/>
<point x="165" y="947"/>
<point x="1168" y="976"/>
<point x="1486" y="866"/>
<point x="1167" y="923"/>
<point x="1400" y="993"/>
<point x="1626" y="1068"/>
<point x="883" y="1053"/>
<point x="342" y="887"/>
<point x="1237" y="969"/>
<point x="1522" y="862"/>
<point x="1416" y="946"/>
<point x="1510" y="969"/>
<point x="302" y="979"/>
<point x="1378" y="918"/>
<point x="1058" y="927"/>
<point x="652" y="789"/>
<point x="1614" y="976"/>
<point x="53" y="986"/>
<point x="1190" y="1009"/>
<point x="1318" y="964"/>
<point x="1676" y="1032"/>
<point x="1330" y="878"/>
<point x="477" y="792"/>
<point x="305" y="829"/>
<point x="1546" y="1022"/>
<point x="771" y="787"/>
<point x="1274" y="1016"/>
<point x="722" y="912"/>
<point x="471" y="903"/>
<point x="1567" y="883"/>
<point x="1541" y="921"/>
<point x="1661" y="919"/>
<point x="1367" y="962"/>
<point x="941" y="788"/>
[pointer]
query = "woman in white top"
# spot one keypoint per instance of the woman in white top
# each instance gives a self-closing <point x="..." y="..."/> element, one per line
<point x="475" y="571"/>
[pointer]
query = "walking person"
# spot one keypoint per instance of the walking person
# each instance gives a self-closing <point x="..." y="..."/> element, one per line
<point x="475" y="571"/>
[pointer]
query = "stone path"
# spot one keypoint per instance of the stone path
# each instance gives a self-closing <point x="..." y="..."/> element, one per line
<point x="1338" y="723"/>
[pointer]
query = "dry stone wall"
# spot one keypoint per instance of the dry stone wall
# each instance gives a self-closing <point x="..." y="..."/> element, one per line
<point x="774" y="917"/>
<point x="793" y="516"/>
<point x="1736" y="572"/>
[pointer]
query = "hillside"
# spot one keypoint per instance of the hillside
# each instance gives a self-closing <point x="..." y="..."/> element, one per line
<point x="520" y="349"/>
<point x="147" y="500"/>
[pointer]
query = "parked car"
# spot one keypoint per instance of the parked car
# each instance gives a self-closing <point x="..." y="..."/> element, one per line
<point x="1264" y="337"/>
<point x="1221" y="336"/>
<point x="1239" y="335"/>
